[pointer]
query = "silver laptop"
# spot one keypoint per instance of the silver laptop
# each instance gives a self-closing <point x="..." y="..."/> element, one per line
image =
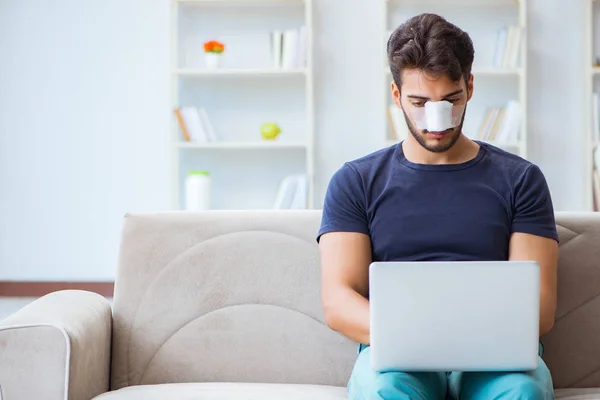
<point x="454" y="316"/>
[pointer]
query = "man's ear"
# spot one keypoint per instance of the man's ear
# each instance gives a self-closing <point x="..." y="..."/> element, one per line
<point x="470" y="87"/>
<point x="396" y="95"/>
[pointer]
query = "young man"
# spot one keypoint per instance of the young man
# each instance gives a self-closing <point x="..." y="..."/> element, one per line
<point x="435" y="196"/>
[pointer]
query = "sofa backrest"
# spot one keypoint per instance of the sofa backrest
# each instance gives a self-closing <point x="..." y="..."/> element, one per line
<point x="223" y="296"/>
<point x="572" y="348"/>
<point x="235" y="296"/>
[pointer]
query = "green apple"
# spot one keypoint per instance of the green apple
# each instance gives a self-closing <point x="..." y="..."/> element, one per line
<point x="270" y="130"/>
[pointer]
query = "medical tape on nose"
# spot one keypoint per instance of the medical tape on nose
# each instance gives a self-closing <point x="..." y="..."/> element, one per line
<point x="438" y="116"/>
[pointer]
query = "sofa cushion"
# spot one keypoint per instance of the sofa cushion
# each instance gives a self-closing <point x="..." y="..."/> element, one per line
<point x="578" y="394"/>
<point x="260" y="391"/>
<point x="234" y="296"/>
<point x="223" y="297"/>
<point x="218" y="391"/>
<point x="572" y="348"/>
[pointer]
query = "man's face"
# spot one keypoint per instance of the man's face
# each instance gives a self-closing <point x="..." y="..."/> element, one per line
<point x="417" y="88"/>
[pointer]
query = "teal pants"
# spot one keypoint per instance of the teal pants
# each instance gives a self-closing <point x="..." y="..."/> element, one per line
<point x="365" y="384"/>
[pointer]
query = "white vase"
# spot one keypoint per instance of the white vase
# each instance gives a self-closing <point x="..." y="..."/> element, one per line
<point x="212" y="60"/>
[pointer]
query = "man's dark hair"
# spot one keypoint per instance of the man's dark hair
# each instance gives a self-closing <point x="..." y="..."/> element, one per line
<point x="432" y="44"/>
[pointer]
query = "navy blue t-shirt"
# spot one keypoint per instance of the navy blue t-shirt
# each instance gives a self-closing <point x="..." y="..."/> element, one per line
<point x="451" y="212"/>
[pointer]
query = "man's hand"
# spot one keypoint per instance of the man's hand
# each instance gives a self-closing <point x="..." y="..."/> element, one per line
<point x="526" y="247"/>
<point x="345" y="259"/>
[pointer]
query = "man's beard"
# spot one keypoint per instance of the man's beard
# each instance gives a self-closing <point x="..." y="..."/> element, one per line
<point x="438" y="147"/>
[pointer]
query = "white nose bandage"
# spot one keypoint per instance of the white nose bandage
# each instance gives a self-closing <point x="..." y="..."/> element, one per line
<point x="438" y="116"/>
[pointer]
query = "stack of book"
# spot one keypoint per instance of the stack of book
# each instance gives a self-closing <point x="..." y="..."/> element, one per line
<point x="195" y="125"/>
<point x="292" y="193"/>
<point x="278" y="49"/>
<point x="398" y="127"/>
<point x="508" y="45"/>
<point x="288" y="48"/>
<point x="501" y="125"/>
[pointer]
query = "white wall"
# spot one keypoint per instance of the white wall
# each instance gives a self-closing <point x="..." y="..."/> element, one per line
<point x="83" y="131"/>
<point x="556" y="102"/>
<point x="350" y="93"/>
<point x="84" y="118"/>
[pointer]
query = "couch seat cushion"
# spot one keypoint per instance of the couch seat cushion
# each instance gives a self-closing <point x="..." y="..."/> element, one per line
<point x="219" y="391"/>
<point x="259" y="391"/>
<point x="577" y="394"/>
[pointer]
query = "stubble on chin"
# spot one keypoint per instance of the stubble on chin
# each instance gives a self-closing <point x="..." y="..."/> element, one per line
<point x="438" y="146"/>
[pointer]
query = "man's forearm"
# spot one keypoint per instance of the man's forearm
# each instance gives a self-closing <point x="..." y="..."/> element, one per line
<point x="349" y="315"/>
<point x="547" y="313"/>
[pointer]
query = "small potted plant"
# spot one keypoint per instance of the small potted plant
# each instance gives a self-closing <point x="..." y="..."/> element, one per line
<point x="212" y="53"/>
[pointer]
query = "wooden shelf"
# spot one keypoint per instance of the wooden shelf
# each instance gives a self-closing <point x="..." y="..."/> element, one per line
<point x="239" y="72"/>
<point x="243" y="145"/>
<point x="242" y="95"/>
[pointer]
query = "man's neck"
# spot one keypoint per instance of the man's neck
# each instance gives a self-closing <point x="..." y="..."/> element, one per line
<point x="462" y="151"/>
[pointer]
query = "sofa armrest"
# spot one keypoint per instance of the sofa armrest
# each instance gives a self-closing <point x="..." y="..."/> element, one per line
<point x="57" y="348"/>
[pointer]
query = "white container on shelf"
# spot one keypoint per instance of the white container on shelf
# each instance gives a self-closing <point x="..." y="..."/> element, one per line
<point x="197" y="191"/>
<point x="212" y="60"/>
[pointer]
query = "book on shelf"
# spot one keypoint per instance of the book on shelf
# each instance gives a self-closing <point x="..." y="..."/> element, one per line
<point x="277" y="49"/>
<point x="508" y="46"/>
<point x="501" y="124"/>
<point x="292" y="193"/>
<point x="289" y="48"/>
<point x="195" y="125"/>
<point x="397" y="123"/>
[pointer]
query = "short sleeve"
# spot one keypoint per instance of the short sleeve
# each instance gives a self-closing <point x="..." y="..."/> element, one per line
<point x="344" y="209"/>
<point x="533" y="209"/>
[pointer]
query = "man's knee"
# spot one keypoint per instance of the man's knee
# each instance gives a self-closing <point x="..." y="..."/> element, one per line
<point x="399" y="386"/>
<point x="366" y="384"/>
<point x="536" y="385"/>
<point x="523" y="387"/>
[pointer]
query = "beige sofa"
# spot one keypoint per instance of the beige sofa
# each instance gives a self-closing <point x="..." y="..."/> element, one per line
<point x="226" y="305"/>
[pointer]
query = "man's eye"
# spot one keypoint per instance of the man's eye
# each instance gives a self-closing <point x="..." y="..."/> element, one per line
<point x="419" y="104"/>
<point x="453" y="100"/>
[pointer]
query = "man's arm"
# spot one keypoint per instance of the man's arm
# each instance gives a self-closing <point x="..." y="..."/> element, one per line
<point x="345" y="249"/>
<point x="534" y="238"/>
<point x="528" y="247"/>
<point x="345" y="259"/>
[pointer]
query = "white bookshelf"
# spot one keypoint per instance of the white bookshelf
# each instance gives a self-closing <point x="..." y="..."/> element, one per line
<point x="239" y="72"/>
<point x="494" y="86"/>
<point x="239" y="96"/>
<point x="243" y="145"/>
<point x="237" y="3"/>
<point x="591" y="82"/>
